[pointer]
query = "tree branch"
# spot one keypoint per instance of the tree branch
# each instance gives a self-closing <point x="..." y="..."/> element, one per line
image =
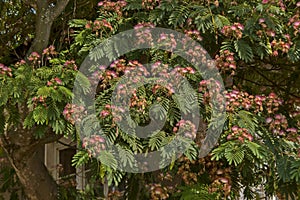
<point x="50" y="138"/>
<point x="31" y="3"/>
<point x="44" y="20"/>
<point x="57" y="10"/>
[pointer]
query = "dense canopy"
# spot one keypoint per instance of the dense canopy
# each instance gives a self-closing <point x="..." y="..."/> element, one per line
<point x="255" y="46"/>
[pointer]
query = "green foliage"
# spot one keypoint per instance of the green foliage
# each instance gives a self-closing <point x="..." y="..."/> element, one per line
<point x="244" y="50"/>
<point x="253" y="50"/>
<point x="262" y="41"/>
<point x="195" y="192"/>
<point x="295" y="170"/>
<point x="80" y="158"/>
<point x="246" y="120"/>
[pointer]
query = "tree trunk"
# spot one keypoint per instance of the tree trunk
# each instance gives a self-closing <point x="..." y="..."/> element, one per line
<point x="45" y="16"/>
<point x="33" y="175"/>
<point x="25" y="154"/>
<point x="43" y="30"/>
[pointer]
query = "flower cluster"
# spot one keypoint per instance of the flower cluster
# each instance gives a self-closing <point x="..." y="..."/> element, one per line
<point x="102" y="77"/>
<point x="144" y="25"/>
<point x="293" y="134"/>
<point x="111" y="110"/>
<point x="238" y="133"/>
<point x="134" y="69"/>
<point x="168" y="78"/>
<point x="235" y="99"/>
<point x="238" y="99"/>
<point x="219" y="174"/>
<point x="143" y="33"/>
<point x="136" y="72"/>
<point x="138" y="103"/>
<point x="49" y="51"/>
<point x="168" y="181"/>
<point x="168" y="41"/>
<point x="20" y="63"/>
<point x="294" y="22"/>
<point x="211" y="91"/>
<point x="5" y="70"/>
<point x="221" y="183"/>
<point x="70" y="64"/>
<point x="281" y="5"/>
<point x="203" y="88"/>
<point x="94" y="144"/>
<point x="98" y="25"/>
<point x="39" y="100"/>
<point x="160" y="69"/>
<point x="186" y="128"/>
<point x="34" y="56"/>
<point x="165" y="176"/>
<point x="294" y="105"/>
<point x="157" y="192"/>
<point x="278" y="124"/>
<point x="43" y="60"/>
<point x="55" y="82"/>
<point x="267" y="30"/>
<point x="194" y="34"/>
<point x="270" y="2"/>
<point x="119" y="66"/>
<point x="184" y="70"/>
<point x="280" y="45"/>
<point x="225" y="62"/>
<point x="187" y="175"/>
<point x="164" y="88"/>
<point x="235" y="30"/>
<point x="273" y="102"/>
<point x="189" y="171"/>
<point x="197" y="55"/>
<point x="73" y="113"/>
<point x="150" y="4"/>
<point x="113" y="6"/>
<point x="105" y="112"/>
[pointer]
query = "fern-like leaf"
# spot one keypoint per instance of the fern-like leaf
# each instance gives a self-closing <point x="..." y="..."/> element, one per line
<point x="244" y="50"/>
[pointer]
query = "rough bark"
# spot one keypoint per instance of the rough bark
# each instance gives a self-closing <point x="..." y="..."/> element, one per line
<point x="27" y="161"/>
<point x="33" y="175"/>
<point x="45" y="17"/>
